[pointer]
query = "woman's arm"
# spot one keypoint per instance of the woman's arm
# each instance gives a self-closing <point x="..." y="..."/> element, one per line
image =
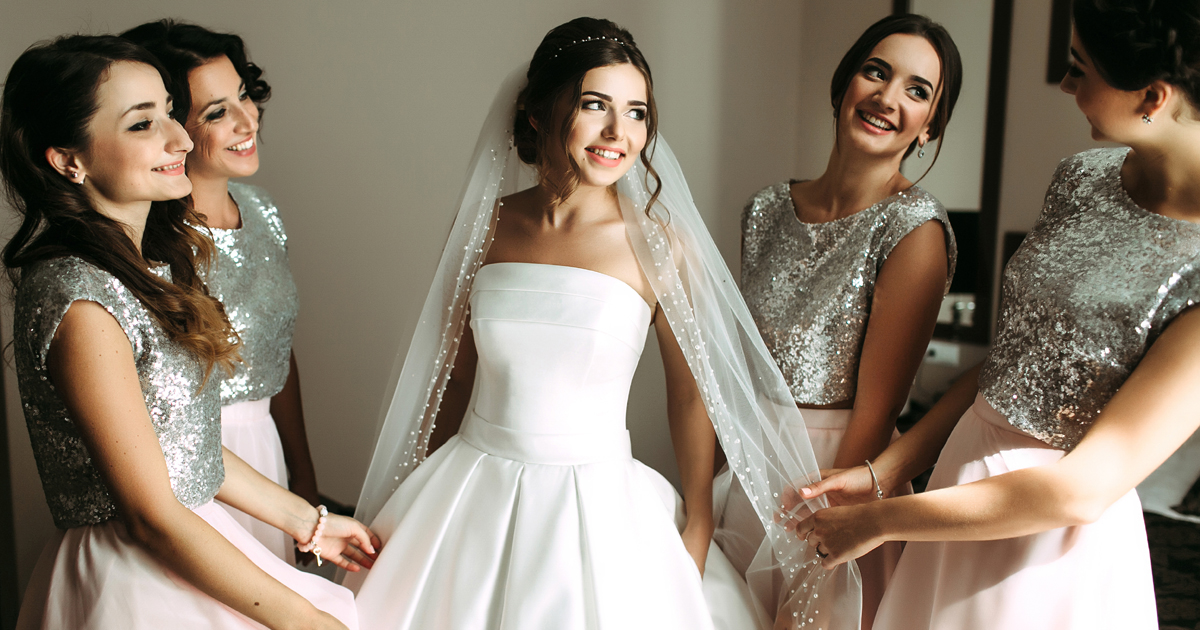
<point x="344" y="541"/>
<point x="91" y="365"/>
<point x="458" y="391"/>
<point x="1156" y="409"/>
<point x="904" y="310"/>
<point x="915" y="452"/>
<point x="694" y="439"/>
<point x="288" y="413"/>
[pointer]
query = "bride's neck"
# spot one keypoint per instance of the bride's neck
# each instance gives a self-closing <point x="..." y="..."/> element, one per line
<point x="583" y="203"/>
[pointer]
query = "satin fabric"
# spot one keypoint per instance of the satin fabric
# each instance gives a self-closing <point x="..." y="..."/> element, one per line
<point x="826" y="428"/>
<point x="248" y="430"/>
<point x="536" y="516"/>
<point x="97" y="578"/>
<point x="1087" y="577"/>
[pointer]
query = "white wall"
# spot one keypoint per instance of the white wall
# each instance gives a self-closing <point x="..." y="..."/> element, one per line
<point x="375" y="110"/>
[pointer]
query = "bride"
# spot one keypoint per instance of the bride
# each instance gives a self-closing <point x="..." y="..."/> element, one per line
<point x="530" y="512"/>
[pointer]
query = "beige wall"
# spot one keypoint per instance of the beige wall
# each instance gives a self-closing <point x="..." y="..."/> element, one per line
<point x="375" y="110"/>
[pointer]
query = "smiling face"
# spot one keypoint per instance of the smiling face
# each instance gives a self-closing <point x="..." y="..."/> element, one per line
<point x="1113" y="113"/>
<point x="223" y="123"/>
<point x="610" y="127"/>
<point x="135" y="151"/>
<point x="890" y="101"/>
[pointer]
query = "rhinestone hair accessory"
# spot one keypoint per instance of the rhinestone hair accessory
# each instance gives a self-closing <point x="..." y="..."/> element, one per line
<point x="586" y="40"/>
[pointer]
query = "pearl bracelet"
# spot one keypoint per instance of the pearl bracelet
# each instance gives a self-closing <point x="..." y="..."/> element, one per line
<point x="875" y="480"/>
<point x="311" y="545"/>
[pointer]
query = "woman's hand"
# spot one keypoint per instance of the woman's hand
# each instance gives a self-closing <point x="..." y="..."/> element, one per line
<point x="696" y="539"/>
<point x="348" y="543"/>
<point x="851" y="486"/>
<point x="840" y="534"/>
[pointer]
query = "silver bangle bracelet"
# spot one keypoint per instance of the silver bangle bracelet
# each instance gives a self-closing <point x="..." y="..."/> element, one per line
<point x="875" y="480"/>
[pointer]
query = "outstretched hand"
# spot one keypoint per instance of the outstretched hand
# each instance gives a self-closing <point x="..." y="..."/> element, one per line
<point x="349" y="544"/>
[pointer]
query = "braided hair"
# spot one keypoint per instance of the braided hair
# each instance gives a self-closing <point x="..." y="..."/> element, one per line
<point x="1136" y="42"/>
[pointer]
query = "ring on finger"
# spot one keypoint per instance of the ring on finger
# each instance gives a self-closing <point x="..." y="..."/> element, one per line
<point x="820" y="554"/>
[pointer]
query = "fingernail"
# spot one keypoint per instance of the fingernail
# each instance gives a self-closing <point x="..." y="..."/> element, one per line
<point x="805" y="491"/>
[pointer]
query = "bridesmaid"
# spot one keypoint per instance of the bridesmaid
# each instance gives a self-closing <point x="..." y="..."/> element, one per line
<point x="1032" y="520"/>
<point x="115" y="356"/>
<point x="844" y="274"/>
<point x="219" y="95"/>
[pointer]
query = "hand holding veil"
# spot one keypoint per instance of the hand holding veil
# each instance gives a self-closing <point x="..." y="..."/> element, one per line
<point x="748" y="401"/>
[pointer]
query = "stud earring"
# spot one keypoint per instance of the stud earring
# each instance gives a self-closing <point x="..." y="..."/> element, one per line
<point x="1147" y="119"/>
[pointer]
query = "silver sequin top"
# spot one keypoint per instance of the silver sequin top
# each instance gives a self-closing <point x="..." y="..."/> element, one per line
<point x="809" y="285"/>
<point x="251" y="278"/>
<point x="186" y="418"/>
<point x="1087" y="293"/>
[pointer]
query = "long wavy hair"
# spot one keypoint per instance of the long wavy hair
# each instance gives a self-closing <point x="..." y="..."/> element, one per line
<point x="557" y="69"/>
<point x="50" y="96"/>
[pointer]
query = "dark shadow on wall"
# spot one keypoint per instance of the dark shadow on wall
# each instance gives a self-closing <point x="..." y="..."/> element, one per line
<point x="9" y="600"/>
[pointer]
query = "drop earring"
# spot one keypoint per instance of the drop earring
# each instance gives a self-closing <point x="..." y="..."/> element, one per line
<point x="921" y="151"/>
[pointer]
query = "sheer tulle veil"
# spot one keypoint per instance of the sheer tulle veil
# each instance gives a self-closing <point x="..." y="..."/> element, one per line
<point x="747" y="398"/>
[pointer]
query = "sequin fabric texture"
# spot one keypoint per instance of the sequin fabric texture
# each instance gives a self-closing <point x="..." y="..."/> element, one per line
<point x="251" y="278"/>
<point x="809" y="285"/>
<point x="185" y="417"/>
<point x="1090" y="289"/>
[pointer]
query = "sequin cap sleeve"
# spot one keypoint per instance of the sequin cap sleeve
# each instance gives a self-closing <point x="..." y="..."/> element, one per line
<point x="185" y="417"/>
<point x="1083" y="299"/>
<point x="252" y="279"/>
<point x="809" y="286"/>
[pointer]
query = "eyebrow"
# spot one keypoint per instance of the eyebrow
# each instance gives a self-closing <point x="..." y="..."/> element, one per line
<point x="139" y="107"/>
<point x="608" y="99"/>
<point x="147" y="105"/>
<point x="887" y="66"/>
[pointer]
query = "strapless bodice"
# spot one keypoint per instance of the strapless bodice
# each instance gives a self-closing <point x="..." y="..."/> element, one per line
<point x="557" y="347"/>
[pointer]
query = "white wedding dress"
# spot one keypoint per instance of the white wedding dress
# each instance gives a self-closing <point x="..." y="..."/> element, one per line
<point x="536" y="516"/>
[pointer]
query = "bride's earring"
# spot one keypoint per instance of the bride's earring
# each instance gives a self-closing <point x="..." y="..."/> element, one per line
<point x="921" y="151"/>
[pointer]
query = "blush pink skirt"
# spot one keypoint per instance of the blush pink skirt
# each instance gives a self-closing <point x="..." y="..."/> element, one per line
<point x="248" y="430"/>
<point x="96" y="578"/>
<point x="735" y="516"/>
<point x="1087" y="577"/>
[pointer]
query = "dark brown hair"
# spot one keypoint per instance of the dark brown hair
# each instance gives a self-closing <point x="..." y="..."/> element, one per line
<point x="1136" y="42"/>
<point x="49" y="99"/>
<point x="906" y="24"/>
<point x="554" y="92"/>
<point x="183" y="47"/>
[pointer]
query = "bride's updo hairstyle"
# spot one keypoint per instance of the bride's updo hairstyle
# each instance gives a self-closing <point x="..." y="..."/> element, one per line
<point x="49" y="99"/>
<point x="548" y="105"/>
<point x="906" y="24"/>
<point x="183" y="47"/>
<point x="1136" y="42"/>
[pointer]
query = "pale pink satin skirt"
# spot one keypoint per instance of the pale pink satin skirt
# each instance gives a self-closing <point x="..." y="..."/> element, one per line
<point x="1087" y="577"/>
<point x="248" y="430"/>
<point x="735" y="516"/>
<point x="96" y="578"/>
